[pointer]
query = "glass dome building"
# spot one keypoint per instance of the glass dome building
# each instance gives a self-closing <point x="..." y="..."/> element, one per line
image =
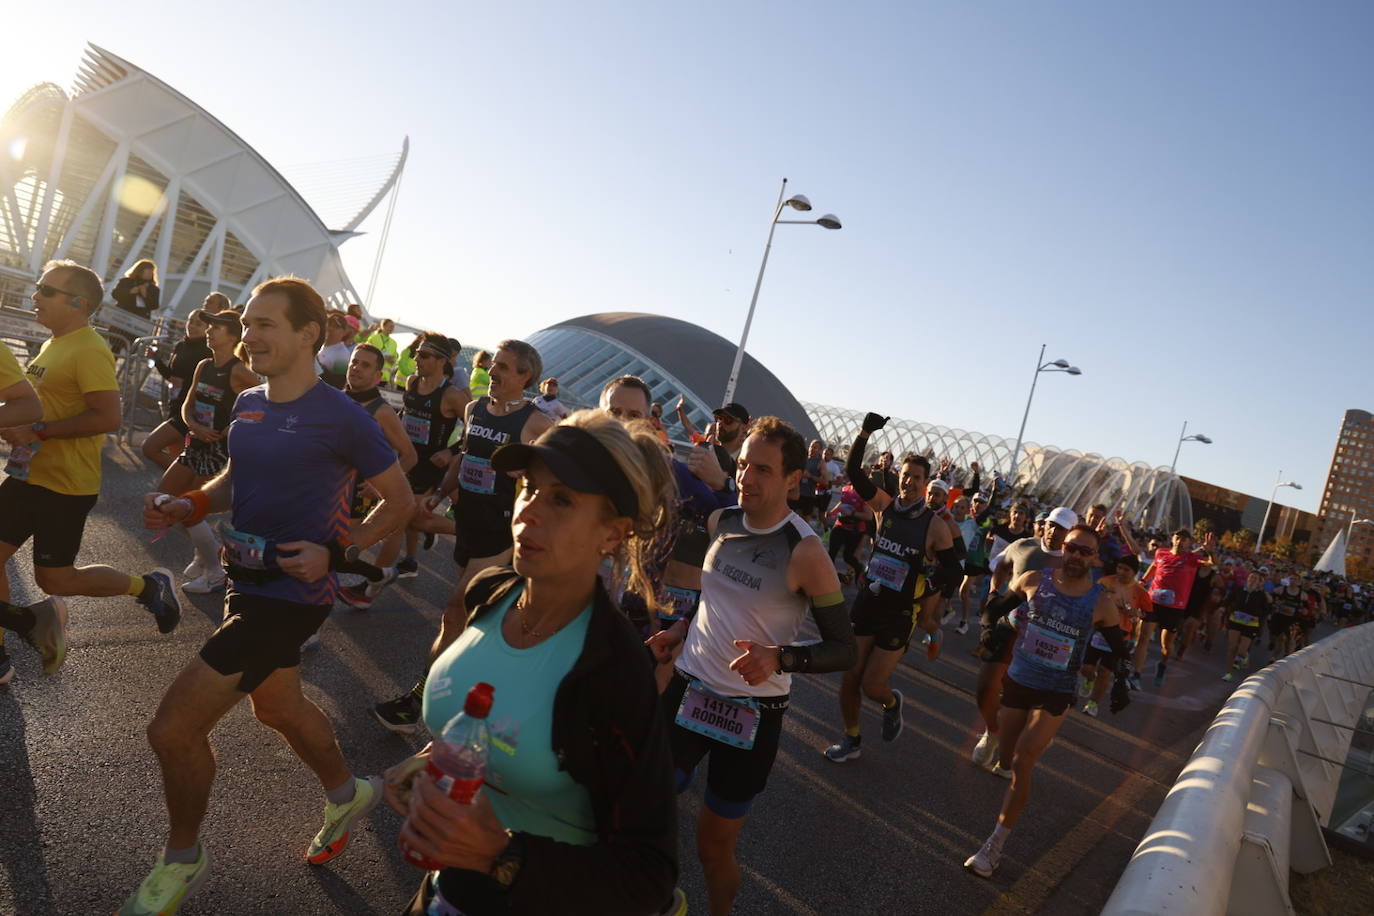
<point x="674" y="357"/>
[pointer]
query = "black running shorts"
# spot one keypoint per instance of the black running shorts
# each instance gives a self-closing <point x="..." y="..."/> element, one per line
<point x="54" y="520"/>
<point x="481" y="530"/>
<point x="735" y="776"/>
<point x="886" y="617"/>
<point x="1017" y="696"/>
<point x="1164" y="618"/>
<point x="260" y="635"/>
<point x="1248" y="630"/>
<point x="425" y="475"/>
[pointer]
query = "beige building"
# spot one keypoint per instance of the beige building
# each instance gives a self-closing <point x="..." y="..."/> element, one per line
<point x="1349" y="491"/>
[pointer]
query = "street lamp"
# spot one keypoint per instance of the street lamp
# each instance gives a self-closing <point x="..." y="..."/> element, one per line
<point x="1183" y="437"/>
<point x="1297" y="486"/>
<point x="1058" y="365"/>
<point x="1350" y="529"/>
<point x="799" y="203"/>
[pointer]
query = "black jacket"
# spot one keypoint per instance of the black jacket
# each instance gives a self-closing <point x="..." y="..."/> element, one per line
<point x="611" y="738"/>
<point x="125" y="297"/>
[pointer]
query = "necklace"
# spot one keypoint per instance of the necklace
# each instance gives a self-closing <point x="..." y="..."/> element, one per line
<point x="526" y="629"/>
<point x="508" y="406"/>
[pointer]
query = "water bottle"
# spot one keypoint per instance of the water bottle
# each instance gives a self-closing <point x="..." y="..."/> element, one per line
<point x="458" y="759"/>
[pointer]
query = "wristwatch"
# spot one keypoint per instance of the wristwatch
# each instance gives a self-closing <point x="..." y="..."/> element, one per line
<point x="40" y="429"/>
<point x="506" y="866"/>
<point x="787" y="659"/>
<point x="342" y="552"/>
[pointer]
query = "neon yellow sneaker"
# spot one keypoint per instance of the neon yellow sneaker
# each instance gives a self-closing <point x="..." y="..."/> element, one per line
<point x="339" y="820"/>
<point x="166" y="886"/>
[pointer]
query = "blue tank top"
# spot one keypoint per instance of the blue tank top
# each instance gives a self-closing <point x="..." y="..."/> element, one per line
<point x="1052" y="634"/>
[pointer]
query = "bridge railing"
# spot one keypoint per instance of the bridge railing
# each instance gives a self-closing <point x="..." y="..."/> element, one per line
<point x="1252" y="800"/>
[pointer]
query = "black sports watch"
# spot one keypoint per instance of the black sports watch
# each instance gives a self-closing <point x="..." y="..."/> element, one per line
<point x="505" y="868"/>
<point x="787" y="659"/>
<point x="342" y="552"/>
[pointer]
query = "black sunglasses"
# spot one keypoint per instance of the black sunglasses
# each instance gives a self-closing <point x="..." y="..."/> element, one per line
<point x="47" y="291"/>
<point x="1083" y="550"/>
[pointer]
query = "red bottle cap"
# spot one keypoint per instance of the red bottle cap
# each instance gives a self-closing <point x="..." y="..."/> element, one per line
<point x="479" y="700"/>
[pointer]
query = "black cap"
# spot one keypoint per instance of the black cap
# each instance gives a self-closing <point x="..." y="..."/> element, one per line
<point x="227" y="317"/>
<point x="578" y="460"/>
<point x="734" y="410"/>
<point x="440" y="345"/>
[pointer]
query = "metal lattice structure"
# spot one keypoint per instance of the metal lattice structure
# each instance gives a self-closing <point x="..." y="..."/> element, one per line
<point x="126" y="167"/>
<point x="1056" y="476"/>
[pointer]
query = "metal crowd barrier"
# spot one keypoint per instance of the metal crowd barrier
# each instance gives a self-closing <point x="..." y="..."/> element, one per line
<point x="1253" y="798"/>
<point x="134" y="372"/>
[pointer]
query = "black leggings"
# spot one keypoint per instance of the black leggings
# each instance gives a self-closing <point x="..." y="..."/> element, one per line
<point x="846" y="540"/>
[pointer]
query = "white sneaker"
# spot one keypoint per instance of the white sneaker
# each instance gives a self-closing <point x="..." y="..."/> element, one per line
<point x="984" y="749"/>
<point x="204" y="584"/>
<point x="985" y="861"/>
<point x="194" y="569"/>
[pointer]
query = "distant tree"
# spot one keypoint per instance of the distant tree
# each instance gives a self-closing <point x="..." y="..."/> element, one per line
<point x="1284" y="549"/>
<point x="1203" y="526"/>
<point x="1243" y="540"/>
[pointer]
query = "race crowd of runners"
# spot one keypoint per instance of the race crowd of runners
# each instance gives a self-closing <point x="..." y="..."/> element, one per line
<point x="641" y="611"/>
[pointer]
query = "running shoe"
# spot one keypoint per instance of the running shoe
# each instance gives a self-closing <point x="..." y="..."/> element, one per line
<point x="1090" y="708"/>
<point x="6" y="667"/>
<point x="1159" y="673"/>
<point x="892" y="718"/>
<point x="48" y="635"/>
<point x="356" y="596"/>
<point x="166" y="886"/>
<point x="998" y="770"/>
<point x="193" y="569"/>
<point x="984" y="862"/>
<point x="407" y="568"/>
<point x="933" y="644"/>
<point x="1085" y="687"/>
<point x="339" y="820"/>
<point x="161" y="600"/>
<point x="428" y="540"/>
<point x="205" y="583"/>
<point x="1133" y="680"/>
<point x="1229" y="676"/>
<point x="1243" y="661"/>
<point x="847" y="749"/>
<point x="962" y="628"/>
<point x="401" y="715"/>
<point x="985" y="749"/>
<point x="677" y="906"/>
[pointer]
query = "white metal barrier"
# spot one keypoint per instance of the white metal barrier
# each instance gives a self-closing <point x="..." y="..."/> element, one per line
<point x="1251" y="801"/>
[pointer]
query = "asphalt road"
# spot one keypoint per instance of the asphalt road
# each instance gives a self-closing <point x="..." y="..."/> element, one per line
<point x="82" y="816"/>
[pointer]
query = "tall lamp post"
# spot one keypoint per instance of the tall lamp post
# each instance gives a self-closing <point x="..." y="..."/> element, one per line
<point x="1183" y="437"/>
<point x="1297" y="486"/>
<point x="1350" y="529"/>
<point x="799" y="203"/>
<point x="1058" y="365"/>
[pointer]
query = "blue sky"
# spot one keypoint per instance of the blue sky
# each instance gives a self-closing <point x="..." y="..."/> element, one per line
<point x="1177" y="197"/>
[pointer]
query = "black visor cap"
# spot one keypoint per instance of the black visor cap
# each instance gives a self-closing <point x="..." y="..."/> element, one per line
<point x="578" y="460"/>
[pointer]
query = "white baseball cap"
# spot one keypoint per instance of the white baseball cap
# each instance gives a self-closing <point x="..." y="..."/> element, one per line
<point x="1064" y="517"/>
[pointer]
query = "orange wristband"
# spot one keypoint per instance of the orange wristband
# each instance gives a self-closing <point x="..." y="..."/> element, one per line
<point x="200" y="502"/>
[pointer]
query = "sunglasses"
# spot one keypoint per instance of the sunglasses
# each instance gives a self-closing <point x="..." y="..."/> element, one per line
<point x="1082" y="550"/>
<point x="47" y="291"/>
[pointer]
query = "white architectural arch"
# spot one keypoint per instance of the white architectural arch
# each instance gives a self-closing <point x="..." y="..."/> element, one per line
<point x="1053" y="475"/>
<point x="126" y="167"/>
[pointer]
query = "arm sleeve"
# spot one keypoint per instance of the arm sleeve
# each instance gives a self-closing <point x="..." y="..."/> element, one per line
<point x="1115" y="638"/>
<point x="950" y="570"/>
<point x="835" y="651"/>
<point x="854" y="467"/>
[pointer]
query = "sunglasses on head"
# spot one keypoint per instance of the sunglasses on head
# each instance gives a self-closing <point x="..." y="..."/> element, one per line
<point x="1082" y="550"/>
<point x="47" y="290"/>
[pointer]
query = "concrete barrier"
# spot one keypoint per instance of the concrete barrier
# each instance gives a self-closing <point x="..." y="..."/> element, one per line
<point x="1251" y="801"/>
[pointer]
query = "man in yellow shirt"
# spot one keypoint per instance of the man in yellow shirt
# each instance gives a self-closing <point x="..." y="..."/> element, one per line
<point x="54" y="465"/>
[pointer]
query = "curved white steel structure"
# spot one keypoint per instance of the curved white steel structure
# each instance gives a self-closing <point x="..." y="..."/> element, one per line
<point x="126" y="167"/>
<point x="1060" y="476"/>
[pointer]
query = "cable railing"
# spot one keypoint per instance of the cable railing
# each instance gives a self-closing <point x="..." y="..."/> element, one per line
<point x="1253" y="799"/>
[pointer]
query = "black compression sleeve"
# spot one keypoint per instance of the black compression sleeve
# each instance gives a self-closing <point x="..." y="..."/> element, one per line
<point x="835" y="651"/>
<point x="950" y="569"/>
<point x="854" y="467"/>
<point x="1116" y="638"/>
<point x="1005" y="603"/>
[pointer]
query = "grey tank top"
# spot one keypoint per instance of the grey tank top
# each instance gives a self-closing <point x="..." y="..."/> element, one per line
<point x="744" y="595"/>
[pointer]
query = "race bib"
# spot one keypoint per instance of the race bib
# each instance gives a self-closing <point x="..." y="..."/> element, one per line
<point x="417" y="428"/>
<point x="21" y="456"/>
<point x="888" y="571"/>
<point x="1164" y="596"/>
<point x="1050" y="648"/>
<point x="1244" y="619"/>
<point x="476" y="475"/>
<point x="205" y="413"/>
<point x="240" y="549"/>
<point x="729" y="720"/>
<point x="1099" y="642"/>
